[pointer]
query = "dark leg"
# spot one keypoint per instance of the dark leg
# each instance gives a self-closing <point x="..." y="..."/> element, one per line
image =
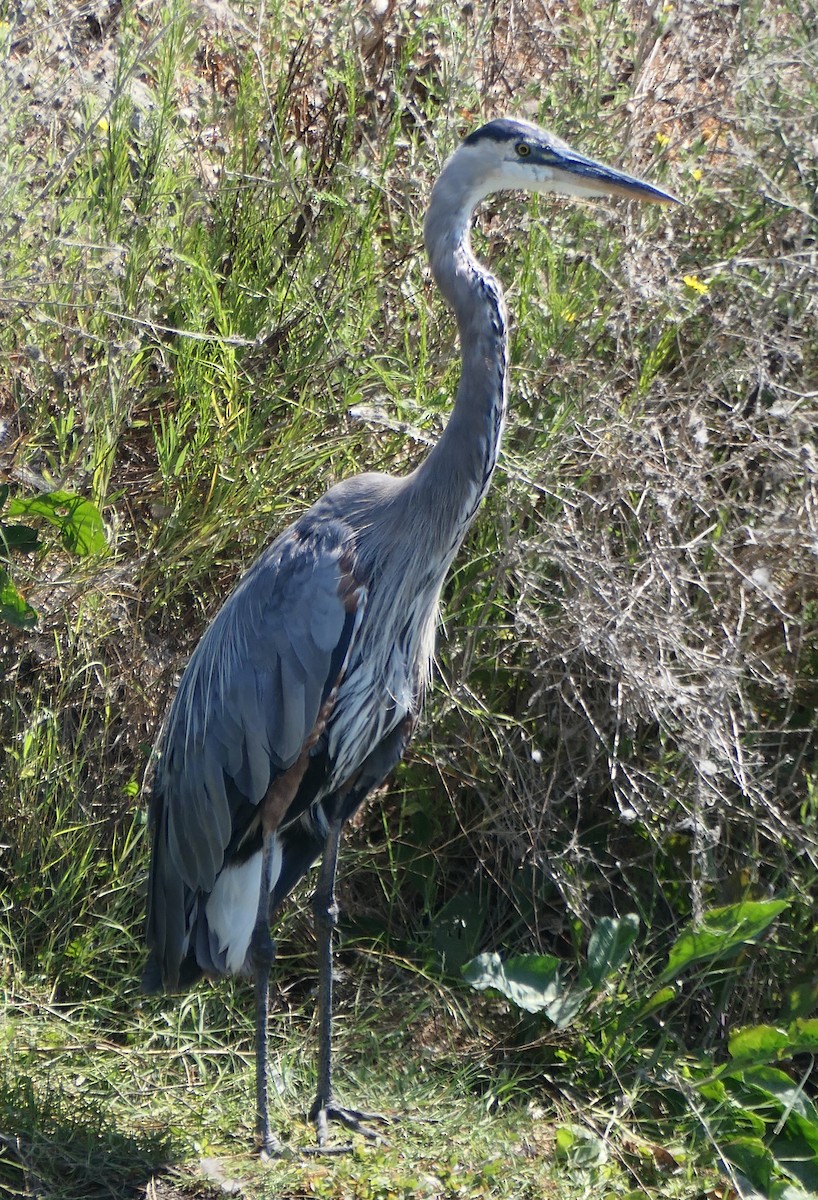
<point x="325" y="911"/>
<point x="262" y="951"/>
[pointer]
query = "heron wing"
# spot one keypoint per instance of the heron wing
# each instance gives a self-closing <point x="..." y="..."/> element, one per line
<point x="254" y="695"/>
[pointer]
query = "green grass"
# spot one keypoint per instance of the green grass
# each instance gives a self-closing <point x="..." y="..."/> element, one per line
<point x="101" y="1101"/>
<point x="213" y="304"/>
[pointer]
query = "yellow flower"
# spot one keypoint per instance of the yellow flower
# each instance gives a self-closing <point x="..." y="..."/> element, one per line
<point x="697" y="174"/>
<point x="695" y="284"/>
<point x="569" y="315"/>
<point x="663" y="139"/>
<point x="667" y="8"/>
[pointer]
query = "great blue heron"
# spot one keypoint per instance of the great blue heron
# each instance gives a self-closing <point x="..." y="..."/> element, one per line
<point x="302" y="694"/>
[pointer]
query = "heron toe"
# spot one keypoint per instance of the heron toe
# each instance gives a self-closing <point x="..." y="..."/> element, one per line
<point x="351" y="1118"/>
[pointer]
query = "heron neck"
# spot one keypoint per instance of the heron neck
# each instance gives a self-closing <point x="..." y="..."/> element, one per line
<point x="456" y="474"/>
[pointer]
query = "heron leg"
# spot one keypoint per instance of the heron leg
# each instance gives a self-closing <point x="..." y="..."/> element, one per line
<point x="325" y="911"/>
<point x="262" y="955"/>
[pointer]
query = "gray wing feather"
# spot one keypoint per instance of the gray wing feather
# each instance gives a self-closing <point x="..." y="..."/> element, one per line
<point x="173" y="918"/>
<point x="217" y="803"/>
<point x="326" y="621"/>
<point x="292" y="726"/>
<point x="252" y="695"/>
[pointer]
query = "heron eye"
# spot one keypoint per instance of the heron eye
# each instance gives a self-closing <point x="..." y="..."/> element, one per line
<point x="523" y="149"/>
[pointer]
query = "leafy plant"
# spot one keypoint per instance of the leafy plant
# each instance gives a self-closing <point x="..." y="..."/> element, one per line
<point x="758" y="1116"/>
<point x="14" y="608"/>
<point x="721" y="932"/>
<point x="540" y="982"/>
<point x="78" y="523"/>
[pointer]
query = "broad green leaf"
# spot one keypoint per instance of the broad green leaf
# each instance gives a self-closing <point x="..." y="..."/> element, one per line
<point x="750" y="1156"/>
<point x="766" y="1043"/>
<point x="78" y="520"/>
<point x="17" y="537"/>
<point x="485" y="971"/>
<point x="784" y="1092"/>
<point x="804" y="1130"/>
<point x="537" y="978"/>
<point x="538" y="970"/>
<point x="581" y="1147"/>
<point x="721" y="931"/>
<point x="13" y="607"/>
<point x="804" y="1036"/>
<point x="714" y="1091"/>
<point x="759" y="1043"/>
<point x="565" y="1136"/>
<point x="608" y="947"/>
<point x="796" y="1157"/>
<point x="788" y="1191"/>
<point x="565" y="1006"/>
<point x="531" y="981"/>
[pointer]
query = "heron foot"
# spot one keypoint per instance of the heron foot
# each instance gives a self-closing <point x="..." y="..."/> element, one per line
<point x="268" y="1147"/>
<point x="322" y="1112"/>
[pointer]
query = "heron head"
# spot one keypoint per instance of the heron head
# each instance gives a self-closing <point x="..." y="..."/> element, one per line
<point x="511" y="154"/>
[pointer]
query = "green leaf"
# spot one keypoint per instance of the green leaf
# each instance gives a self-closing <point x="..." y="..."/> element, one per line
<point x="532" y="982"/>
<point x="750" y="1156"/>
<point x="721" y="931"/>
<point x="564" y="1007"/>
<point x="579" y="1146"/>
<point x="608" y="947"/>
<point x="796" y="1157"/>
<point x="78" y="520"/>
<point x="788" y="1191"/>
<point x="483" y="972"/>
<point x="13" y="607"/>
<point x="17" y="537"/>
<point x="785" y="1093"/>
<point x="804" y="1036"/>
<point x="657" y="1000"/>
<point x="767" y="1043"/>
<point x="714" y="1091"/>
<point x="758" y="1043"/>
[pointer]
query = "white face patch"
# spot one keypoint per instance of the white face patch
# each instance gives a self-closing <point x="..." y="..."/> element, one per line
<point x="512" y="174"/>
<point x="522" y="174"/>
<point x="488" y="166"/>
